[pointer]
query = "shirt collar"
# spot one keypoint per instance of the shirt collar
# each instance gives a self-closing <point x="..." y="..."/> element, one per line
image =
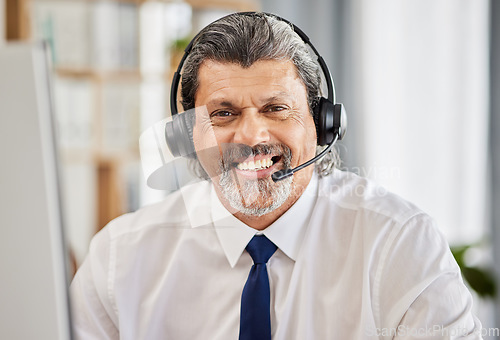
<point x="286" y="233"/>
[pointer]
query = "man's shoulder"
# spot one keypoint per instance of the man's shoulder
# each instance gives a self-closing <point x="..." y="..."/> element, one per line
<point x="350" y="191"/>
<point x="173" y="211"/>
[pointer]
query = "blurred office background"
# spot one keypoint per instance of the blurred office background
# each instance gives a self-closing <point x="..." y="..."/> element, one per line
<point x="419" y="78"/>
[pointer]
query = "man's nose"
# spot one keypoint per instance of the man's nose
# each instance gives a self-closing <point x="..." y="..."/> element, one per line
<point x="252" y="129"/>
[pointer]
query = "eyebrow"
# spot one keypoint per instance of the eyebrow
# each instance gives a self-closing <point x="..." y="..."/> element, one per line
<point x="227" y="103"/>
<point x="278" y="96"/>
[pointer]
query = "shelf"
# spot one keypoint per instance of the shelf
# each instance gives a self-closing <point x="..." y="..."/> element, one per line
<point x="236" y="5"/>
<point x="136" y="2"/>
<point x="78" y="155"/>
<point x="99" y="75"/>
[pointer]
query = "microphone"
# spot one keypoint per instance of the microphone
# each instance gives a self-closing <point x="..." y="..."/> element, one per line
<point x="285" y="173"/>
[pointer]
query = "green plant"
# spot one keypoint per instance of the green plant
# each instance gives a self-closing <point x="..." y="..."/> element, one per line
<point x="180" y="44"/>
<point x="480" y="279"/>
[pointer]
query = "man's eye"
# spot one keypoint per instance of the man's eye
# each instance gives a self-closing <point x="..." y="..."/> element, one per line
<point x="222" y="117"/>
<point x="275" y="108"/>
<point x="280" y="112"/>
<point x="221" y="114"/>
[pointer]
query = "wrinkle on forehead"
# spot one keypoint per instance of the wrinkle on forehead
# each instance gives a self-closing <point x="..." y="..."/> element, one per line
<point x="274" y="77"/>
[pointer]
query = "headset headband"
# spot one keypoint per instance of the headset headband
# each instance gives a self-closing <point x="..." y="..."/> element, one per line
<point x="177" y="75"/>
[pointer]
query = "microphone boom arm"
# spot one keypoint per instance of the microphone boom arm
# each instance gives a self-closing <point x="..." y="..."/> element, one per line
<point x="282" y="174"/>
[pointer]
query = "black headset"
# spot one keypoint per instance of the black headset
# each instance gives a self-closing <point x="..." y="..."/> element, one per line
<point x="329" y="117"/>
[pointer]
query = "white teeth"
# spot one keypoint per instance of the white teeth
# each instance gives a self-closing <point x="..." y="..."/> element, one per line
<point x="257" y="165"/>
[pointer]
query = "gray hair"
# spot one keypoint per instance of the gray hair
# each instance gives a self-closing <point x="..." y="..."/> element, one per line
<point x="244" y="39"/>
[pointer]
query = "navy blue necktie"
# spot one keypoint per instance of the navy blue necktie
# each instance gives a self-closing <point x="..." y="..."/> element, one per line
<point x="255" y="317"/>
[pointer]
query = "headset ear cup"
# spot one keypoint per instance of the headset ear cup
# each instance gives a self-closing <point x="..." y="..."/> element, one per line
<point x="179" y="136"/>
<point x="339" y="121"/>
<point x="324" y="121"/>
<point x="188" y="136"/>
<point x="330" y="120"/>
<point x="315" y="113"/>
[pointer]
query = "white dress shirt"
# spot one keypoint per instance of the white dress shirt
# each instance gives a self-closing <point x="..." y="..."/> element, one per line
<point x="353" y="262"/>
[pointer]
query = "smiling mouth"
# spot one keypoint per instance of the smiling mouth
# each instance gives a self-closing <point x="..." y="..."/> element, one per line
<point x="257" y="165"/>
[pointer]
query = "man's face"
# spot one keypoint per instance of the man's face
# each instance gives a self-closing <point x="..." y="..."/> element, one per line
<point x="258" y="118"/>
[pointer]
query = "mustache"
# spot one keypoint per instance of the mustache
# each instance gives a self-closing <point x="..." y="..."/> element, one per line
<point x="232" y="153"/>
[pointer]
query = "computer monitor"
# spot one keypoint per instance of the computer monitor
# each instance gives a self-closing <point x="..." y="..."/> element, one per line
<point x="34" y="301"/>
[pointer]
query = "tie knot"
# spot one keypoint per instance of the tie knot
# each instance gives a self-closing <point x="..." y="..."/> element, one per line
<point x="260" y="249"/>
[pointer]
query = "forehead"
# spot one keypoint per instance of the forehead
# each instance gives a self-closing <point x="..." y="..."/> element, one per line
<point x="264" y="77"/>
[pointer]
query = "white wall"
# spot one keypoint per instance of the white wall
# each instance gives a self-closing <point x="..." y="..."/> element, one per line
<point x="34" y="292"/>
<point x="423" y="70"/>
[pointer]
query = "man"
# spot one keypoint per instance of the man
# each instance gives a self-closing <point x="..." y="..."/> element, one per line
<point x="347" y="259"/>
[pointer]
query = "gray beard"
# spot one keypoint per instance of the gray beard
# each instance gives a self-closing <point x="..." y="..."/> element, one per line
<point x="255" y="197"/>
<point x="246" y="198"/>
